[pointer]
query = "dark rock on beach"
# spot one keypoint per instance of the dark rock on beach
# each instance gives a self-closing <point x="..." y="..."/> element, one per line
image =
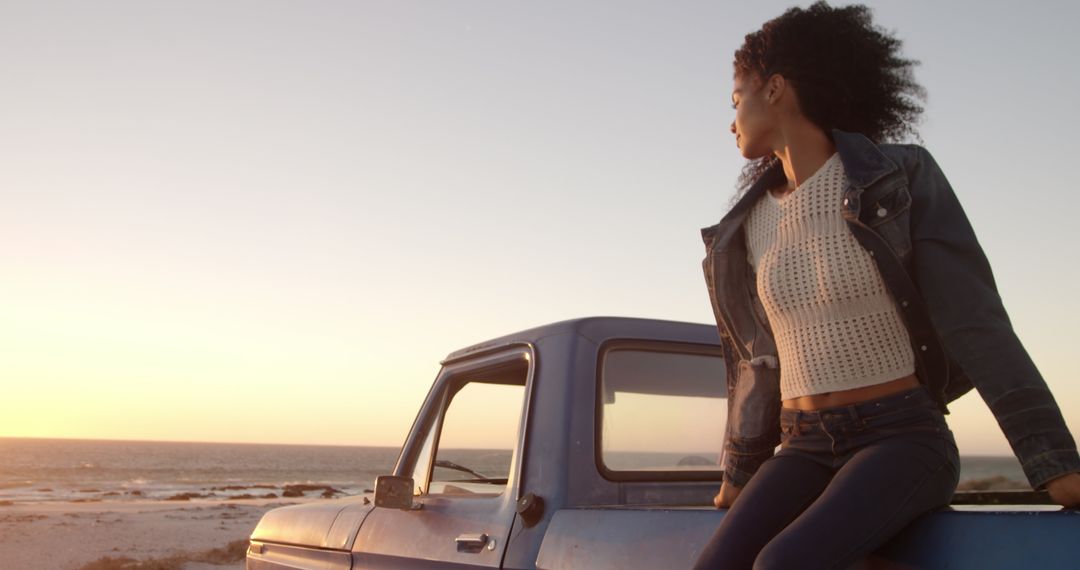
<point x="995" y="483"/>
<point x="242" y="487"/>
<point x="189" y="496"/>
<point x="250" y="496"/>
<point x="299" y="490"/>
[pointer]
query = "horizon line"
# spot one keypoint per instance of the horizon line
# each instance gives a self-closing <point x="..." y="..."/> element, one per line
<point x="123" y="440"/>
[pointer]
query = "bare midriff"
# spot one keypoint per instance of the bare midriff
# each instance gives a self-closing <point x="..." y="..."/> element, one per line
<point x="853" y="396"/>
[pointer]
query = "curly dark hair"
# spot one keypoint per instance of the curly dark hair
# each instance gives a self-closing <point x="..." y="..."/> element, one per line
<point x="847" y="73"/>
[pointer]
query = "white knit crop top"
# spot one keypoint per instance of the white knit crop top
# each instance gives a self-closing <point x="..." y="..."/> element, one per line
<point x="835" y="324"/>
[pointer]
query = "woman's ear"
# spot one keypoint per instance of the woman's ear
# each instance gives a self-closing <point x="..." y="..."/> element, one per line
<point x="775" y="87"/>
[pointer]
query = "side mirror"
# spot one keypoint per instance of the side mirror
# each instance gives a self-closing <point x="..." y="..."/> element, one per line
<point x="394" y="492"/>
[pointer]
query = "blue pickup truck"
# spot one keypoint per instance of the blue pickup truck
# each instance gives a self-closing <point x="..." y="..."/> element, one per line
<point x="595" y="443"/>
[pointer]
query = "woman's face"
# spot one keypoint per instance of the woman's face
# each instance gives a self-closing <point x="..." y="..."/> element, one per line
<point x="754" y="117"/>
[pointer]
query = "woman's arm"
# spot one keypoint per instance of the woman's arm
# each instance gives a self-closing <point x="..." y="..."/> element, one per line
<point x="752" y="429"/>
<point x="956" y="282"/>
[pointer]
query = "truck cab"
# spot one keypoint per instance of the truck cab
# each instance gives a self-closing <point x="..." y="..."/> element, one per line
<point x="589" y="443"/>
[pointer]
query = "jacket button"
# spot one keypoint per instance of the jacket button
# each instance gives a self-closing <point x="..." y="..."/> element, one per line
<point x="881" y="212"/>
<point x="903" y="303"/>
<point x="923" y="348"/>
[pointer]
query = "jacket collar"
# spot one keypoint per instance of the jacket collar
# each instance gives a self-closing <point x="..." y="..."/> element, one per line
<point x="863" y="161"/>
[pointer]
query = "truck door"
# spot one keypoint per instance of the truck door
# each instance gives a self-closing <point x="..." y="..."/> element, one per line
<point x="464" y="455"/>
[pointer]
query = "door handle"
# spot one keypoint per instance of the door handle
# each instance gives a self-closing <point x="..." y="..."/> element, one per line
<point x="474" y="542"/>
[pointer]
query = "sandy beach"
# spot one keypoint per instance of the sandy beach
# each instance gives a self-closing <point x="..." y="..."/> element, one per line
<point x="120" y="505"/>
<point x="180" y="535"/>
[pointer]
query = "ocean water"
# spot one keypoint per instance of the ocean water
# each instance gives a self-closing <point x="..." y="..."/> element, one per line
<point x="87" y="470"/>
<point x="65" y="469"/>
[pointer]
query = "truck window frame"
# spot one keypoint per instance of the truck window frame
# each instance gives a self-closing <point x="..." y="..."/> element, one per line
<point x="452" y="377"/>
<point x="669" y="347"/>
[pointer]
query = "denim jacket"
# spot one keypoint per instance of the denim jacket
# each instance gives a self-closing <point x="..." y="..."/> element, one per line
<point x="901" y="209"/>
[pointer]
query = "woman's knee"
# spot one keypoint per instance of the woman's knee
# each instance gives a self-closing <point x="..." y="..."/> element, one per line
<point x="728" y="548"/>
<point x="776" y="557"/>
<point x="795" y="550"/>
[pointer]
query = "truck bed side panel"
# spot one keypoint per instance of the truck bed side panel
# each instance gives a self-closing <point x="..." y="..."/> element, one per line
<point x="954" y="538"/>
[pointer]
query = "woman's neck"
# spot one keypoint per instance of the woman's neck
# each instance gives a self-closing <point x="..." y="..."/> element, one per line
<point x="802" y="150"/>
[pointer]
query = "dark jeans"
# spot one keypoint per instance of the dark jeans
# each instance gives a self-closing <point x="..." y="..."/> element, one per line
<point x="845" y="481"/>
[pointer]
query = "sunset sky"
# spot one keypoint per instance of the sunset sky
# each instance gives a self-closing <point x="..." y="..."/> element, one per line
<point x="213" y="213"/>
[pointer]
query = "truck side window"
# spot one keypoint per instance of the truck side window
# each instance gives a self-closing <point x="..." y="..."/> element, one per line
<point x="477" y="440"/>
<point x="478" y="435"/>
<point x="662" y="411"/>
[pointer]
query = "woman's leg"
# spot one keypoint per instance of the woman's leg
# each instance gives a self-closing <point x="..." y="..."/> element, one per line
<point x="782" y="488"/>
<point x="877" y="492"/>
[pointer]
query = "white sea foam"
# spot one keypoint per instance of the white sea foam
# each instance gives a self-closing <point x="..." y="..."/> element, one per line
<point x="67" y="470"/>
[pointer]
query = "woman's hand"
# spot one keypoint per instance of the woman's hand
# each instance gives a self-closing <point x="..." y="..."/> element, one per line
<point x="1064" y="490"/>
<point x="726" y="496"/>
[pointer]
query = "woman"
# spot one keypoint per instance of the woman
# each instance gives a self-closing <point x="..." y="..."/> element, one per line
<point x="854" y="303"/>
